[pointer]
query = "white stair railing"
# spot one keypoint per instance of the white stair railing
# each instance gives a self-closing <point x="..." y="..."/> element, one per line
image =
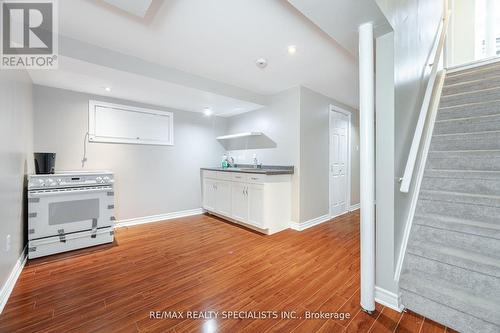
<point x="433" y="64"/>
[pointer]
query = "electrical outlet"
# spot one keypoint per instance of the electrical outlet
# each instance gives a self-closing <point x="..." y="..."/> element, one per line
<point x="7" y="243"/>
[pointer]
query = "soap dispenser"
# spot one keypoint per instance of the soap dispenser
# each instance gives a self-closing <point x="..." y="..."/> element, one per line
<point x="224" y="163"/>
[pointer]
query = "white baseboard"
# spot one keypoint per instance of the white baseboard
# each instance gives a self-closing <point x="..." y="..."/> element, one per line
<point x="354" y="207"/>
<point x="11" y="281"/>
<point x="157" y="218"/>
<point x="310" y="223"/>
<point x="387" y="298"/>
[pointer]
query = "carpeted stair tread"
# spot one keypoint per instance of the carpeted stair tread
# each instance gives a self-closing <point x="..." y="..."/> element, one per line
<point x="468" y="125"/>
<point x="457" y="224"/>
<point x="434" y="288"/>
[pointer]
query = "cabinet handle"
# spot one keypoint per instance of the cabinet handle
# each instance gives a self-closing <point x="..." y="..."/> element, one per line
<point x="246" y="191"/>
<point x="253" y="178"/>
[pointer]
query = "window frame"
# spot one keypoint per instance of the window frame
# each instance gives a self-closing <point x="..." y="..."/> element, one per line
<point x="94" y="137"/>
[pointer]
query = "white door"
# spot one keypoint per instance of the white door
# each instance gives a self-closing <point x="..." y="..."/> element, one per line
<point x="239" y="205"/>
<point x="223" y="198"/>
<point x="256" y="205"/>
<point x="339" y="125"/>
<point x="209" y="194"/>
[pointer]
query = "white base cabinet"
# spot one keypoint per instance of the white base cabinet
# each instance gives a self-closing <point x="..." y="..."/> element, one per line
<point x="261" y="202"/>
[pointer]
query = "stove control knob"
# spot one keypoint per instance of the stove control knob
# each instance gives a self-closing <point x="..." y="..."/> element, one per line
<point x="106" y="179"/>
<point x="99" y="180"/>
<point x="50" y="182"/>
<point x="41" y="182"/>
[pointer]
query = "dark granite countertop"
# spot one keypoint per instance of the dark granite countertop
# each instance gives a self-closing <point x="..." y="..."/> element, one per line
<point x="263" y="170"/>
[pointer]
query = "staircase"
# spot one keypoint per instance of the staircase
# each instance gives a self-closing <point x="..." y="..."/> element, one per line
<point x="451" y="270"/>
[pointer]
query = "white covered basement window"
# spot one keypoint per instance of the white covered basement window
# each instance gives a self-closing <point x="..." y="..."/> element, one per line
<point x="114" y="123"/>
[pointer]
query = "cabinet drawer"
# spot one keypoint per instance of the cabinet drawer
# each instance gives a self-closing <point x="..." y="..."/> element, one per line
<point x="210" y="174"/>
<point x="256" y="178"/>
<point x="224" y="175"/>
<point x="238" y="177"/>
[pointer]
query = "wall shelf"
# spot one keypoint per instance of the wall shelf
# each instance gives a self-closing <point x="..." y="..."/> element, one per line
<point x="238" y="135"/>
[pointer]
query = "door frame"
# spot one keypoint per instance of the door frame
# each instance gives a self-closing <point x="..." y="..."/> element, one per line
<point x="335" y="108"/>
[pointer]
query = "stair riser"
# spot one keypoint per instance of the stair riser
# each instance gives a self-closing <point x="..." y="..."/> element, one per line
<point x="474" y="160"/>
<point x="477" y="141"/>
<point x="467" y="111"/>
<point x="465" y="211"/>
<point x="486" y="246"/>
<point x="445" y="315"/>
<point x="493" y="230"/>
<point x="478" y="284"/>
<point x="463" y="185"/>
<point x="472" y="125"/>
<point x="471" y="86"/>
<point x="470" y="97"/>
<point x="484" y="73"/>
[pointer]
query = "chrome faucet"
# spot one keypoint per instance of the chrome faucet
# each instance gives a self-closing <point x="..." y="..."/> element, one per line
<point x="255" y="162"/>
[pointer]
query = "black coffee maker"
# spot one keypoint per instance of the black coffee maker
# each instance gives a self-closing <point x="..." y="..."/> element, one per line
<point x="45" y="163"/>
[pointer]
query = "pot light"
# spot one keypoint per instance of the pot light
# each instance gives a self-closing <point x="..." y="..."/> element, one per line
<point x="108" y="89"/>
<point x="292" y="49"/>
<point x="207" y="111"/>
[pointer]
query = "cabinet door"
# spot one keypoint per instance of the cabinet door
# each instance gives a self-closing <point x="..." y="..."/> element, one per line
<point x="209" y="194"/>
<point x="239" y="204"/>
<point x="256" y="205"/>
<point x="223" y="198"/>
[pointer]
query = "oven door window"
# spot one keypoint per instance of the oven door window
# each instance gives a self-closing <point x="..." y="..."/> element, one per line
<point x="73" y="211"/>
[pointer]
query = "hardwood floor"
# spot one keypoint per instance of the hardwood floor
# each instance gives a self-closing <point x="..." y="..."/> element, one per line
<point x="200" y="263"/>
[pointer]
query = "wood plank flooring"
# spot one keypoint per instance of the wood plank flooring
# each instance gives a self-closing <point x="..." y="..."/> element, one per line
<point x="201" y="263"/>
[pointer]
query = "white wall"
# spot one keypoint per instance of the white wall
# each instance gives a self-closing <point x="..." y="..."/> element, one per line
<point x="279" y="122"/>
<point x="150" y="180"/>
<point x="314" y="153"/>
<point x="415" y="25"/>
<point x="16" y="161"/>
<point x="384" y="164"/>
<point x="296" y="122"/>
<point x="462" y="32"/>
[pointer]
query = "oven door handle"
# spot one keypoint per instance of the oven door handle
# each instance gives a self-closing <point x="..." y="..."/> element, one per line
<point x="63" y="192"/>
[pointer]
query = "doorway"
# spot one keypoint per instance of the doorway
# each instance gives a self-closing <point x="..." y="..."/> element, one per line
<point x="340" y="160"/>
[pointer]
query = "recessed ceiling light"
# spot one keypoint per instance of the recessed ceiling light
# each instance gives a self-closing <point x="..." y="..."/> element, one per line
<point x="292" y="49"/>
<point x="261" y="62"/>
<point x="207" y="111"/>
<point x="108" y="89"/>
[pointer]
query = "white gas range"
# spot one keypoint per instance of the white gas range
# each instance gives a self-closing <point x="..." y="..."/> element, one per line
<point x="69" y="211"/>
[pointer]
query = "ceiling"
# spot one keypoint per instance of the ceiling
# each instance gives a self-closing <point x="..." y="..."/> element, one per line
<point x="340" y="19"/>
<point x="211" y="47"/>
<point x="77" y="75"/>
<point x="134" y="7"/>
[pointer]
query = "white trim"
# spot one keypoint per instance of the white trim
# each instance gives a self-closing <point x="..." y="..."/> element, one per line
<point x="158" y="218"/>
<point x="335" y="108"/>
<point x="472" y="65"/>
<point x="311" y="223"/>
<point x="11" y="281"/>
<point x="354" y="207"/>
<point x="420" y="175"/>
<point x="387" y="298"/>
